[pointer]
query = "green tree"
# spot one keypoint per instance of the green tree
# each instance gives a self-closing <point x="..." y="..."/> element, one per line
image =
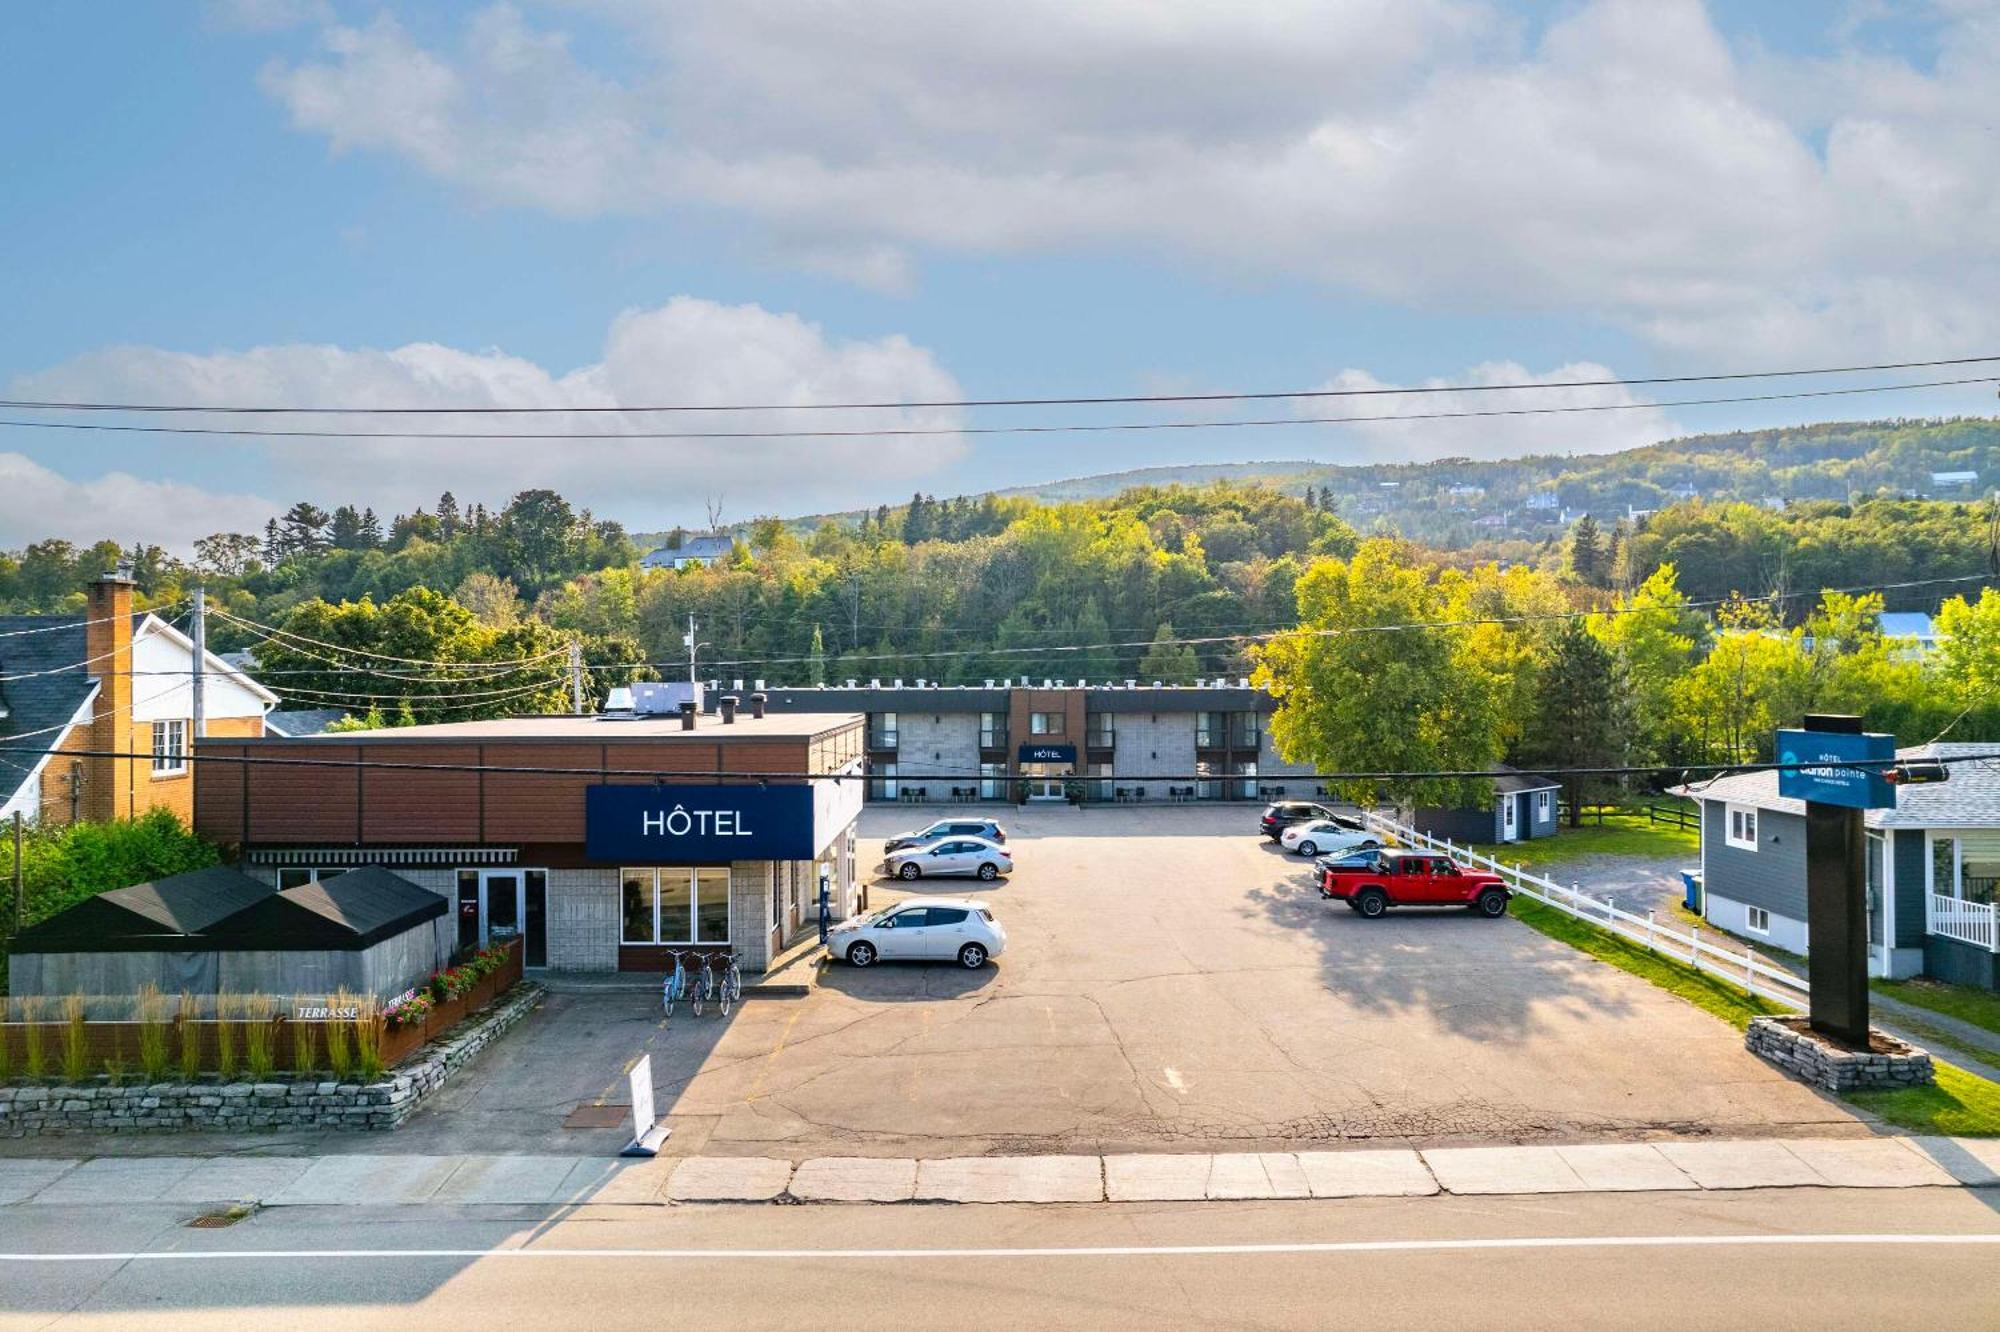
<point x="816" y="659"/>
<point x="1167" y="661"/>
<point x="1653" y="634"/>
<point x="1586" y="552"/>
<point x="1580" y="716"/>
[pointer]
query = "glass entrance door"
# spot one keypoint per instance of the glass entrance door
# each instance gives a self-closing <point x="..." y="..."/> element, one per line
<point x="502" y="906"/>
<point x="1045" y="780"/>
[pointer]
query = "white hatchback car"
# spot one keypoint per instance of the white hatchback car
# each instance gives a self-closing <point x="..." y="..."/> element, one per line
<point x="1325" y="837"/>
<point x="920" y="929"/>
<point x="974" y="856"/>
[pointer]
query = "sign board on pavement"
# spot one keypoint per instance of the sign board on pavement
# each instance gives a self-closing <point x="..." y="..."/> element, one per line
<point x="647" y="1132"/>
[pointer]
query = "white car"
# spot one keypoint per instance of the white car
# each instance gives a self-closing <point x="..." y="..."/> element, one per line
<point x="920" y="929"/>
<point x="1325" y="837"/>
<point x="954" y="855"/>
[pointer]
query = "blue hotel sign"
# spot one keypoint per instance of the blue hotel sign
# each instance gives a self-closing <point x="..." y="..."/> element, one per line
<point x="697" y="825"/>
<point x="1829" y="776"/>
<point x="1032" y="753"/>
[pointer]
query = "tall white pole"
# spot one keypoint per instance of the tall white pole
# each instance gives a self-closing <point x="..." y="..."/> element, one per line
<point x="576" y="677"/>
<point x="690" y="646"/>
<point x="200" y="636"/>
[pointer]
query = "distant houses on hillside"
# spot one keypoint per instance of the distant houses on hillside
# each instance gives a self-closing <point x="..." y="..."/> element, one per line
<point x="693" y="552"/>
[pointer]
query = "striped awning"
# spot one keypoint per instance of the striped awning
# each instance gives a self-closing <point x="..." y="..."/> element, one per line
<point x="385" y="855"/>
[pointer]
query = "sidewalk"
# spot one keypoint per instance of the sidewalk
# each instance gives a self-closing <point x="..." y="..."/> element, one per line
<point x="564" y="1181"/>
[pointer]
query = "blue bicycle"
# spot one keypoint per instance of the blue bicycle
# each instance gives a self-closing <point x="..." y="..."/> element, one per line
<point x="682" y="984"/>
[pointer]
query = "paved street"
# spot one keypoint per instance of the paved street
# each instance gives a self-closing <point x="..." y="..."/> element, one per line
<point x="1668" y="1260"/>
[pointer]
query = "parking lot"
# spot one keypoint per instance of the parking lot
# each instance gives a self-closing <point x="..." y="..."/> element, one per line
<point x="1171" y="982"/>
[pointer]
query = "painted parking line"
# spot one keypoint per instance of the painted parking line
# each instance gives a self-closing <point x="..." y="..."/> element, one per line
<point x="1077" y="1251"/>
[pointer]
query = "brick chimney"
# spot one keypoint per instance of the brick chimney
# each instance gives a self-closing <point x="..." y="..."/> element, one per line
<point x="111" y="785"/>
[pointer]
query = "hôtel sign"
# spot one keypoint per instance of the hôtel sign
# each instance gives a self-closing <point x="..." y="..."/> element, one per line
<point x="694" y="825"/>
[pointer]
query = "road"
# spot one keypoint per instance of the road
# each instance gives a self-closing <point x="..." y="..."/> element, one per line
<point x="1815" y="1258"/>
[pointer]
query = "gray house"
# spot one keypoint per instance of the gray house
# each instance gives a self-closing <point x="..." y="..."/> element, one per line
<point x="696" y="550"/>
<point x="1523" y="808"/>
<point x="1933" y="863"/>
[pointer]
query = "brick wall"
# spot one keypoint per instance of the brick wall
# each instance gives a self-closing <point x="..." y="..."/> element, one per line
<point x="583" y="919"/>
<point x="750" y="913"/>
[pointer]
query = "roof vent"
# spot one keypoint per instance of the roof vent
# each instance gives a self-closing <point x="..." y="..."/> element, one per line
<point x="757" y="701"/>
<point x="619" y="699"/>
<point x="729" y="702"/>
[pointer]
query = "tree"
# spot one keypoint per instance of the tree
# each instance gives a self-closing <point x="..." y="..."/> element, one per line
<point x="344" y="533"/>
<point x="227" y="554"/>
<point x="1580" y="718"/>
<point x="1356" y="696"/>
<point x="1755" y="679"/>
<point x="540" y="528"/>
<point x="495" y="602"/>
<point x="1167" y="661"/>
<point x="302" y="530"/>
<point x="371" y="530"/>
<point x="816" y="659"/>
<point x="1586" y="552"/>
<point x="448" y="520"/>
<point x="1653" y="633"/>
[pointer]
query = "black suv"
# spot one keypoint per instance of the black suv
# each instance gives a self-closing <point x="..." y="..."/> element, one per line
<point x="1285" y="813"/>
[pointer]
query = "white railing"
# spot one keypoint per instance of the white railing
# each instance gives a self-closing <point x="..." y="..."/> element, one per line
<point x="1739" y="965"/>
<point x="1976" y="923"/>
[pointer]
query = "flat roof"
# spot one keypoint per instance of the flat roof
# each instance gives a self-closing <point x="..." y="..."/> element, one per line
<point x="709" y="728"/>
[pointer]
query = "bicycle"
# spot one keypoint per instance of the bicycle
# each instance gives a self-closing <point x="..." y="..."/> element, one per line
<point x="731" y="984"/>
<point x="677" y="984"/>
<point x="701" y="987"/>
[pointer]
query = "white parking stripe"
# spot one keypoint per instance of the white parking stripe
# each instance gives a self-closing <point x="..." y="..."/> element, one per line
<point x="1080" y="1251"/>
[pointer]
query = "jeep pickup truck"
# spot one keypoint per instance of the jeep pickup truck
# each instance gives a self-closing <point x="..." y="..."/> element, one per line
<point x="1412" y="878"/>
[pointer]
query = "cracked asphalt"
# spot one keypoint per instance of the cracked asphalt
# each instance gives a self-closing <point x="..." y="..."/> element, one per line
<point x="1171" y="983"/>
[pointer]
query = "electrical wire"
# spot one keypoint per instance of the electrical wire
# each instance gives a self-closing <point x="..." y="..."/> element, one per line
<point x="894" y="432"/>
<point x="1088" y="401"/>
<point x="273" y="632"/>
<point x="161" y="610"/>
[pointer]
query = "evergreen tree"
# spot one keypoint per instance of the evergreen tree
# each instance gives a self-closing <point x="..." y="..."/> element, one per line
<point x="1167" y="661"/>
<point x="304" y="529"/>
<point x="816" y="659"/>
<point x="447" y="515"/>
<point x="1586" y="552"/>
<point x="371" y="530"/>
<point x="1581" y="720"/>
<point x="345" y="530"/>
<point x="274" y="543"/>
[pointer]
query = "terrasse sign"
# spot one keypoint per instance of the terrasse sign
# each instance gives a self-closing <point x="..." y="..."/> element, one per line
<point x="694" y="825"/>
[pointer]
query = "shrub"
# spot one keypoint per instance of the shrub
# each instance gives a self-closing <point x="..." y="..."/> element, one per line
<point x="151" y="1010"/>
<point x="258" y="1058"/>
<point x="6" y="1045"/>
<point x="302" y="1047"/>
<point x="225" y="1036"/>
<point x="34" y="1059"/>
<point x="190" y="1011"/>
<point x="368" y="1042"/>
<point x="114" y="1063"/>
<point x="339" y="1052"/>
<point x="75" y="1044"/>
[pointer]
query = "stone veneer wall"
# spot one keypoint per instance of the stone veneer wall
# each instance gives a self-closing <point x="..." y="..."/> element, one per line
<point x="1143" y="747"/>
<point x="1784" y="1042"/>
<point x="937" y="742"/>
<point x="213" y="1107"/>
<point x="583" y="919"/>
<point x="750" y="913"/>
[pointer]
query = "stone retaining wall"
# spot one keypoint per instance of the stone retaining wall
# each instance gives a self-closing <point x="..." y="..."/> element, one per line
<point x="1794" y="1047"/>
<point x="209" y="1107"/>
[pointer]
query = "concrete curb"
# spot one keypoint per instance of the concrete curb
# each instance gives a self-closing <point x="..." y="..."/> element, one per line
<point x="392" y="1180"/>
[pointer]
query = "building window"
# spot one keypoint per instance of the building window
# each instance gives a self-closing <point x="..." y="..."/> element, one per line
<point x="299" y="878"/>
<point x="1208" y="729"/>
<point x="1045" y="723"/>
<point x="1243" y="730"/>
<point x="992" y="781"/>
<point x="882" y="784"/>
<point x="1545" y="806"/>
<point x="1757" y="920"/>
<point x="169" y="748"/>
<point x="675" y="905"/>
<point x="1742" y="827"/>
<point x="1098" y="727"/>
<point x="881" y="730"/>
<point x="992" y="730"/>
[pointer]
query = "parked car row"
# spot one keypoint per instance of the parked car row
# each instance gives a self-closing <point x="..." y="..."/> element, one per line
<point x="972" y="847"/>
<point x="1351" y="865"/>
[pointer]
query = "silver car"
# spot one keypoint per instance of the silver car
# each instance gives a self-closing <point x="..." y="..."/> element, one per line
<point x="943" y="828"/>
<point x="974" y="856"/>
<point x="921" y="929"/>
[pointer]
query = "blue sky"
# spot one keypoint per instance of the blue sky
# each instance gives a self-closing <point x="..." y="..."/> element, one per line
<point x="275" y="200"/>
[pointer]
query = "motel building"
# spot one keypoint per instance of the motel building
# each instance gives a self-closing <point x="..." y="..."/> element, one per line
<point x="604" y="843"/>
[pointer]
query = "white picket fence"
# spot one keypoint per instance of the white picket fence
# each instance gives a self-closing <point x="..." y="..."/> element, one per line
<point x="1737" y="964"/>
<point x="1976" y="923"/>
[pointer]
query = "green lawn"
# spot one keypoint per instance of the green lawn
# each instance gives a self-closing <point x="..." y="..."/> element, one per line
<point x="1979" y="1007"/>
<point x="1623" y="834"/>
<point x="1961" y="1103"/>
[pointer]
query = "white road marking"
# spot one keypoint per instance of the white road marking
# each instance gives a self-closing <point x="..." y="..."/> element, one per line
<point x="1080" y="1251"/>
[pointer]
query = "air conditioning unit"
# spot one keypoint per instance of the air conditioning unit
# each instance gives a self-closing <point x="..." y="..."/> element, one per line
<point x="657" y="698"/>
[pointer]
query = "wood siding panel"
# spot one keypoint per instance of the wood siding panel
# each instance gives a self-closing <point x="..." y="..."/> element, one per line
<point x="218" y="795"/>
<point x="696" y="760"/>
<point x="538" y="807"/>
<point x="405" y="806"/>
<point x="303" y="804"/>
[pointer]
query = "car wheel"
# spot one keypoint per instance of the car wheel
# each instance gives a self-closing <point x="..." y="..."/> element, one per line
<point x="1308" y="848"/>
<point x="1370" y="845"/>
<point x="908" y="870"/>
<point x="1371" y="902"/>
<point x="861" y="954"/>
<point x="1492" y="904"/>
<point x="989" y="872"/>
<point x="972" y="956"/>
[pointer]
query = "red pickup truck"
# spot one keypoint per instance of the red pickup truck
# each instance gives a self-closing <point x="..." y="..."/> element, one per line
<point x="1412" y="878"/>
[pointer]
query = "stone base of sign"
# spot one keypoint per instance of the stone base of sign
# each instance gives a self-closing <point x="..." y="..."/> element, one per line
<point x="1795" y="1047"/>
<point x="282" y="1103"/>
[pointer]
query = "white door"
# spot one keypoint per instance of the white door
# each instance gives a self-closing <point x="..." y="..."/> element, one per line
<point x="1508" y="832"/>
<point x="903" y="934"/>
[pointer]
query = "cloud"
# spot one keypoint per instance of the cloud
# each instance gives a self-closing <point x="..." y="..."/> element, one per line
<point x="688" y="351"/>
<point x="1626" y="165"/>
<point x="36" y="503"/>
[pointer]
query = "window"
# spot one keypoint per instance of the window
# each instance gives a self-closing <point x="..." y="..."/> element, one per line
<point x="1097" y="726"/>
<point x="1545" y="806"/>
<point x="1757" y="920"/>
<point x="1209" y="729"/>
<point x="947" y="916"/>
<point x="1045" y="723"/>
<point x="169" y="748"/>
<point x="992" y="781"/>
<point x="675" y="905"/>
<point x="881" y="730"/>
<point x="298" y="878"/>
<point x="1742" y="827"/>
<point x="907" y="920"/>
<point x="1244" y="731"/>
<point x="883" y="781"/>
<point x="992" y="730"/>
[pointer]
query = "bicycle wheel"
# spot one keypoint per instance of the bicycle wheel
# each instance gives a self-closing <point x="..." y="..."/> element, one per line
<point x="724" y="996"/>
<point x="697" y="992"/>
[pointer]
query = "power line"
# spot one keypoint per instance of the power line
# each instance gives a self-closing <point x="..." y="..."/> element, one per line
<point x="1057" y="429"/>
<point x="274" y="633"/>
<point x="66" y="623"/>
<point x="1086" y="401"/>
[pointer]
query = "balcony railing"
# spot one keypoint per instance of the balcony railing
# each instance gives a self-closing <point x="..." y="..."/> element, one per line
<point x="1975" y="923"/>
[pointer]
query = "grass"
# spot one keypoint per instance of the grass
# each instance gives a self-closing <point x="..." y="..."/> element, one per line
<point x="1962" y="1104"/>
<point x="1622" y="834"/>
<point x="1981" y="1008"/>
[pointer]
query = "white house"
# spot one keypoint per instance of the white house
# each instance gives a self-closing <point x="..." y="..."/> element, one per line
<point x="695" y="551"/>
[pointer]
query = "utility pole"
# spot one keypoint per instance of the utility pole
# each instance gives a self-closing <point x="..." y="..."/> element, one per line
<point x="200" y="636"/>
<point x="689" y="640"/>
<point x="576" y="676"/>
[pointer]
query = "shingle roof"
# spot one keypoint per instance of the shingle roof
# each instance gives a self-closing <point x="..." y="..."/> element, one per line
<point x="694" y="548"/>
<point x="55" y="687"/>
<point x="347" y="911"/>
<point x="146" y="916"/>
<point x="1970" y="799"/>
<point x="302" y="721"/>
<point x="1512" y="781"/>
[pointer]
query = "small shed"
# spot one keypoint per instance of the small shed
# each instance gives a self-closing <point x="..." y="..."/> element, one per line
<point x="1523" y="808"/>
<point x="218" y="931"/>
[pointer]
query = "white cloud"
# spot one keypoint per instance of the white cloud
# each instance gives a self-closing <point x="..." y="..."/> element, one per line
<point x="36" y="503"/>
<point x="688" y="351"/>
<point x="1636" y="423"/>
<point x="1628" y="166"/>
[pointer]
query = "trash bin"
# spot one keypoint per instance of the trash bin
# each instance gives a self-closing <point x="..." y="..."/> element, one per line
<point x="1691" y="879"/>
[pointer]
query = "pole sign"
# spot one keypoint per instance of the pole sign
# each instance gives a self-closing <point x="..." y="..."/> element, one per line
<point x="1032" y="753"/>
<point x="1828" y="776"/>
<point x="696" y="825"/>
